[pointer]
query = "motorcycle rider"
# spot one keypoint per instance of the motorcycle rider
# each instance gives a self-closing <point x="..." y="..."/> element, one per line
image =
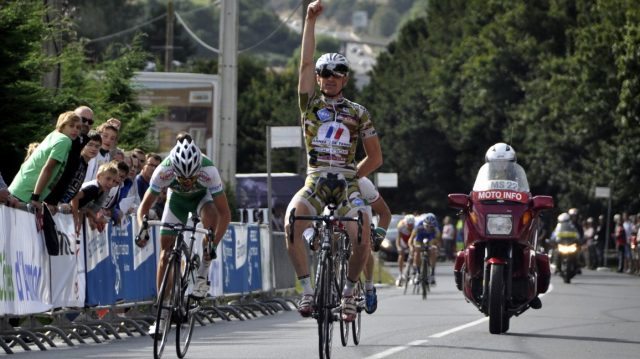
<point x="422" y="238"/>
<point x="565" y="230"/>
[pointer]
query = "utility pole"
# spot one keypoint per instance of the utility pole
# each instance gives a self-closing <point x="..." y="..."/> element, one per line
<point x="168" y="46"/>
<point x="51" y="48"/>
<point x="228" y="71"/>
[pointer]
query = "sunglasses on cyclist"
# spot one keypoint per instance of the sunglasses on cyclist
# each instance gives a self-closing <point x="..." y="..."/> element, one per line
<point x="186" y="181"/>
<point x="326" y="73"/>
<point x="87" y="120"/>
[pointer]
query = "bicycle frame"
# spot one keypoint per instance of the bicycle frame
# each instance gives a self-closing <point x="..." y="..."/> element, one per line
<point x="328" y="291"/>
<point x="182" y="264"/>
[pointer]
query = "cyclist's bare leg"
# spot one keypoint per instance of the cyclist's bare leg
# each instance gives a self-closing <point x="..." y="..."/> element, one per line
<point x="416" y="256"/>
<point x="209" y="216"/>
<point x="368" y="268"/>
<point x="296" y="250"/>
<point x="433" y="258"/>
<point x="166" y="242"/>
<point x="360" y="250"/>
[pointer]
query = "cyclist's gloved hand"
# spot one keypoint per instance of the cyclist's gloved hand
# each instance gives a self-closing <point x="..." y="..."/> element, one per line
<point x="379" y="234"/>
<point x="211" y="250"/>
<point x="142" y="238"/>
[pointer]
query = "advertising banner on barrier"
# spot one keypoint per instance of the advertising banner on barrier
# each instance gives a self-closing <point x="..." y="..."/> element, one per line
<point x="133" y="282"/>
<point x="241" y="259"/>
<point x="24" y="278"/>
<point x="102" y="286"/>
<point x="67" y="269"/>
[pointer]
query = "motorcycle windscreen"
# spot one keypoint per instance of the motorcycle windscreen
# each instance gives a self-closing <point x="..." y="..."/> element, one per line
<point x="501" y="175"/>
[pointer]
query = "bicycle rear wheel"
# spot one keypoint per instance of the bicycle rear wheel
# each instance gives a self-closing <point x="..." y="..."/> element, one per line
<point x="186" y="314"/>
<point x="359" y="294"/>
<point x="342" y="279"/>
<point x="166" y="302"/>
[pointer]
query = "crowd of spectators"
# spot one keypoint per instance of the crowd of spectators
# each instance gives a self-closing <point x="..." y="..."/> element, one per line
<point x="81" y="171"/>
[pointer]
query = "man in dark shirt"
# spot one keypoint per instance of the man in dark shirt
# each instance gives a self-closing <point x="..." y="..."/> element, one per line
<point x="143" y="179"/>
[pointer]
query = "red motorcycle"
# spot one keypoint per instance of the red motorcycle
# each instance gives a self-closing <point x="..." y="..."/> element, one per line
<point x="500" y="270"/>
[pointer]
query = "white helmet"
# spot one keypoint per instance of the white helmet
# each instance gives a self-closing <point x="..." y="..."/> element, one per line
<point x="333" y="62"/>
<point x="500" y="152"/>
<point x="563" y="217"/>
<point x="186" y="158"/>
<point x="409" y="220"/>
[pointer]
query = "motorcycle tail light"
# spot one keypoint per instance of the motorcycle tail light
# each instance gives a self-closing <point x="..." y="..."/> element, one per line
<point x="500" y="224"/>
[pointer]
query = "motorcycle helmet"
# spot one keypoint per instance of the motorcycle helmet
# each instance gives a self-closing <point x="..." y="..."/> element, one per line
<point x="430" y="220"/>
<point x="409" y="220"/>
<point x="500" y="152"/>
<point x="186" y="158"/>
<point x="563" y="217"/>
<point x="334" y="63"/>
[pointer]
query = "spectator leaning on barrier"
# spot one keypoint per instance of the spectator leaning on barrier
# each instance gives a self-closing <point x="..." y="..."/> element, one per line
<point x="41" y="171"/>
<point x="71" y="169"/>
<point x="93" y="195"/>
<point x="5" y="197"/>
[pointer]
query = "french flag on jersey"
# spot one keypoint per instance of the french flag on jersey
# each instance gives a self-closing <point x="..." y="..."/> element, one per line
<point x="337" y="135"/>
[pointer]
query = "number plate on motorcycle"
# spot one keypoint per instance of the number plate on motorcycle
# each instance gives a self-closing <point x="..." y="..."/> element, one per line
<point x="500" y="195"/>
<point x="499" y="224"/>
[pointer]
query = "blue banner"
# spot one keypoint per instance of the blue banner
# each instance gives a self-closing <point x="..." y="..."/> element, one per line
<point x="241" y="260"/>
<point x="101" y="278"/>
<point x="132" y="283"/>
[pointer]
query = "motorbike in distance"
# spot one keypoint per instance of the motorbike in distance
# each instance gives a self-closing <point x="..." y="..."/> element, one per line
<point x="500" y="270"/>
<point x="567" y="248"/>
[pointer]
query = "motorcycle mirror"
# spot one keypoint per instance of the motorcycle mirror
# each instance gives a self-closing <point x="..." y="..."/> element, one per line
<point x="542" y="202"/>
<point x="458" y="200"/>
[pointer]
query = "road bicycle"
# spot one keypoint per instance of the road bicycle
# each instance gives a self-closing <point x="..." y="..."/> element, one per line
<point x="173" y="295"/>
<point x="331" y="275"/>
<point x="420" y="280"/>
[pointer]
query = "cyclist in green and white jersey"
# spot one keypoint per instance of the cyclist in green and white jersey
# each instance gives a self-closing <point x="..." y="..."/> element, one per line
<point x="194" y="185"/>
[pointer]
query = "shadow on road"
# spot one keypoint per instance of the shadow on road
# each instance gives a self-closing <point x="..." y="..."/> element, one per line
<point x="569" y="337"/>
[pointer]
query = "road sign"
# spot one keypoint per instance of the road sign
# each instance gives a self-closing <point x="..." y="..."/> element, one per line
<point x="286" y="136"/>
<point x="603" y="192"/>
<point x="387" y="179"/>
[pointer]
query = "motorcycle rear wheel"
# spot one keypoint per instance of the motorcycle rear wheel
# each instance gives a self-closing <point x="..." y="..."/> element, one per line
<point x="496" y="299"/>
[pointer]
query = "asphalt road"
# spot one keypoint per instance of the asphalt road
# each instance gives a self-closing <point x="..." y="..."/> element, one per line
<point x="596" y="316"/>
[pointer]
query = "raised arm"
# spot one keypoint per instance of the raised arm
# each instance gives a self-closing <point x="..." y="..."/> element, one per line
<point x="307" y="77"/>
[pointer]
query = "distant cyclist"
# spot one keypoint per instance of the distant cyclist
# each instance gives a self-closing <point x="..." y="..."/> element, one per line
<point x="194" y="185"/>
<point x="405" y="228"/>
<point x="424" y="237"/>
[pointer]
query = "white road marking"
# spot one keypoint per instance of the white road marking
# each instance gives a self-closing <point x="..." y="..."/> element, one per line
<point x="394" y="350"/>
<point x="400" y="348"/>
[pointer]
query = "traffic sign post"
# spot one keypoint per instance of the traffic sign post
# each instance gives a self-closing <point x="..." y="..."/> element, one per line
<point x="605" y="192"/>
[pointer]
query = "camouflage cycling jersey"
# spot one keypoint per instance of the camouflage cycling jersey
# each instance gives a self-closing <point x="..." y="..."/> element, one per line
<point x="331" y="132"/>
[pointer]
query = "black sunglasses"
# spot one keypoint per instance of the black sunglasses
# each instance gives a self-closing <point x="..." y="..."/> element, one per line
<point x="326" y="73"/>
<point x="87" y="120"/>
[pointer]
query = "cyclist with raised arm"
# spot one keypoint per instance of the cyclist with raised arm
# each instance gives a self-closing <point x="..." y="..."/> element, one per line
<point x="332" y="126"/>
<point x="194" y="185"/>
<point x="424" y="237"/>
<point x="405" y="228"/>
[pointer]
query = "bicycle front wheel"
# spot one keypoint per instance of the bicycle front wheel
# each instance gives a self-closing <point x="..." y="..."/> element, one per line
<point x="325" y="306"/>
<point x="344" y="326"/>
<point x="424" y="277"/>
<point x="186" y="314"/>
<point x="165" y="305"/>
